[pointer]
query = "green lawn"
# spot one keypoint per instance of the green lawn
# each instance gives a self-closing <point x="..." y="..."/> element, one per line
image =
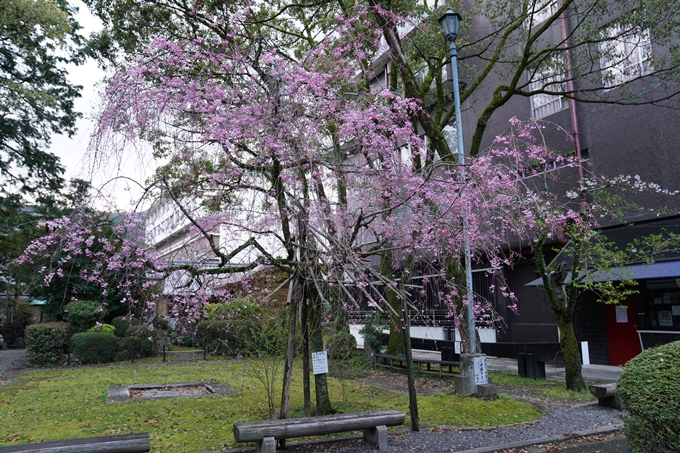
<point x="43" y="405"/>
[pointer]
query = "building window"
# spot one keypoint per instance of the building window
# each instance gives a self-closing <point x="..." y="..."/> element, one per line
<point x="626" y="56"/>
<point x="539" y="11"/>
<point x="545" y="104"/>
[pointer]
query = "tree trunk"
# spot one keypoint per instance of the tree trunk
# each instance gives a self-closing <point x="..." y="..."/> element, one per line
<point x="572" y="356"/>
<point x="412" y="395"/>
<point x="396" y="342"/>
<point x="304" y="326"/>
<point x="290" y="349"/>
<point x="323" y="401"/>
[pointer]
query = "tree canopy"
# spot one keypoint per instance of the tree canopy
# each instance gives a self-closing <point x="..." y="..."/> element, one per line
<point x="37" y="39"/>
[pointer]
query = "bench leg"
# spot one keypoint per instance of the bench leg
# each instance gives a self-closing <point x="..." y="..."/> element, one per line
<point x="266" y="445"/>
<point x="377" y="436"/>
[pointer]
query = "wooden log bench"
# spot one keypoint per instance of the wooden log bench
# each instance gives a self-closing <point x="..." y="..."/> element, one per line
<point x="606" y="395"/>
<point x="444" y="368"/>
<point x="373" y="424"/>
<point x="125" y="443"/>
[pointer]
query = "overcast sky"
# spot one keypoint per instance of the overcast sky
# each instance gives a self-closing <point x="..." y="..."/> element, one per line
<point x="72" y="151"/>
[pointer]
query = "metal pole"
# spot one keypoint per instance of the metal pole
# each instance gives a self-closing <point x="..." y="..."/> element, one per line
<point x="461" y="160"/>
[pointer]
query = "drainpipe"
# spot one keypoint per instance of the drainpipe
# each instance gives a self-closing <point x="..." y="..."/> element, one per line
<point x="572" y="103"/>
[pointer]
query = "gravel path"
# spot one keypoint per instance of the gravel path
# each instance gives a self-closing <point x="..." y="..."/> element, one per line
<point x="559" y="420"/>
<point x="12" y="362"/>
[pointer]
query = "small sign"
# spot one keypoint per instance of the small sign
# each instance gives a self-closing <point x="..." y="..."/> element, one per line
<point x="666" y="318"/>
<point x="319" y="362"/>
<point x="621" y="314"/>
<point x="481" y="372"/>
<point x="676" y="310"/>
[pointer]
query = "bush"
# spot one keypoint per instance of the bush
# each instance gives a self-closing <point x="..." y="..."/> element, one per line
<point x="227" y="337"/>
<point x="106" y="328"/>
<point x="46" y="343"/>
<point x="237" y="309"/>
<point x="86" y="346"/>
<point x="147" y="342"/>
<point x="375" y="338"/>
<point x="84" y="314"/>
<point x="649" y="389"/>
<point x="123" y="323"/>
<point x="343" y="345"/>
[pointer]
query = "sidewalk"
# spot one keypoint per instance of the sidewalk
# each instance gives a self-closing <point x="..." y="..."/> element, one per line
<point x="594" y="374"/>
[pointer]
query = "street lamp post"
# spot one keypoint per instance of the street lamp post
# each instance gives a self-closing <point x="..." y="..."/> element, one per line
<point x="450" y="23"/>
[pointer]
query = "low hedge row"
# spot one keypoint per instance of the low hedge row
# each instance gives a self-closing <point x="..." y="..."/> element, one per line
<point x="649" y="388"/>
<point x="46" y="343"/>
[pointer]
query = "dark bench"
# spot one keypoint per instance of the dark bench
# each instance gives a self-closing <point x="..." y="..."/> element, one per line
<point x="373" y="423"/>
<point x="399" y="363"/>
<point x="606" y="395"/>
<point x="125" y="443"/>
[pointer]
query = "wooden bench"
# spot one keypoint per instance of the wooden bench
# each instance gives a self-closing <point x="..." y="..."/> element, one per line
<point x="399" y="363"/>
<point x="606" y="395"/>
<point x="126" y="443"/>
<point x="373" y="423"/>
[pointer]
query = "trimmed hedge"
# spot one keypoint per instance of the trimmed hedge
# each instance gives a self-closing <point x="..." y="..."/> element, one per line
<point x="84" y="314"/>
<point x="146" y="342"/>
<point x="227" y="337"/>
<point x="237" y="309"/>
<point x="649" y="388"/>
<point x="86" y="346"/>
<point x="46" y="343"/>
<point x="106" y="328"/>
<point x="123" y="323"/>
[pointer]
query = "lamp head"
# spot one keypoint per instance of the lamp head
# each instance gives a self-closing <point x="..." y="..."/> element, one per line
<point x="450" y="23"/>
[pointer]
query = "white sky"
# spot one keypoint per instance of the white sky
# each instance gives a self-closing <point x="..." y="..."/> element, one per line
<point x="73" y="151"/>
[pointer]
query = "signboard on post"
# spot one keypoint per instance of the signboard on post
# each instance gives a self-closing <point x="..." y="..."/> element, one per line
<point x="319" y="362"/>
<point x="481" y="372"/>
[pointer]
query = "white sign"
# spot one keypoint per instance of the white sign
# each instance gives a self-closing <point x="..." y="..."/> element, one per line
<point x="481" y="372"/>
<point x="319" y="362"/>
<point x="676" y="310"/>
<point x="621" y="314"/>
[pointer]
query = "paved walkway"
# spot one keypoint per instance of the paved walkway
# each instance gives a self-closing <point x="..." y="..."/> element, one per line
<point x="591" y="373"/>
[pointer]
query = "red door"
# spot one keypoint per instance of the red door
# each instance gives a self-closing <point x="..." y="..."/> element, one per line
<point x="622" y="336"/>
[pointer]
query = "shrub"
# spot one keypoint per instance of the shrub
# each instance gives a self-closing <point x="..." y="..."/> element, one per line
<point x="237" y="309"/>
<point x="86" y="346"/>
<point x="84" y="314"/>
<point x="14" y="331"/>
<point x="228" y="337"/>
<point x="106" y="328"/>
<point x="123" y="323"/>
<point x="46" y="343"/>
<point x="375" y="338"/>
<point x="649" y="389"/>
<point x="146" y="342"/>
<point x="343" y="345"/>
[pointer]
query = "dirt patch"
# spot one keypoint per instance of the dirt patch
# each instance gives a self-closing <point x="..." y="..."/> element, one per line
<point x="396" y="382"/>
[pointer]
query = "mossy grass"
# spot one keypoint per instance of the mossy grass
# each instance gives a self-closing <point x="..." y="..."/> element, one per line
<point x="65" y="403"/>
<point x="555" y="390"/>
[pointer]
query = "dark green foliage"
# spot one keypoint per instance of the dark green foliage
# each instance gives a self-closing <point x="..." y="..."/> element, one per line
<point x="122" y="324"/>
<point x="233" y="310"/>
<point x="227" y="337"/>
<point x="649" y="388"/>
<point x="106" y="328"/>
<point x="36" y="97"/>
<point x="374" y="336"/>
<point x="343" y="345"/>
<point x="46" y="343"/>
<point x="22" y="317"/>
<point x="146" y="342"/>
<point x="84" y="314"/>
<point x="86" y="346"/>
